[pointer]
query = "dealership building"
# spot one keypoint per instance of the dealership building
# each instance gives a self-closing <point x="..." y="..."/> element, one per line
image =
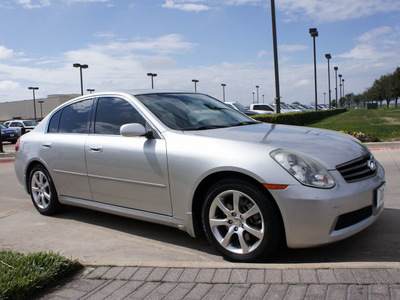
<point x="24" y="109"/>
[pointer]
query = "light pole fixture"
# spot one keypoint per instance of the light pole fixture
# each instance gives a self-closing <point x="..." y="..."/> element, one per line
<point x="328" y="57"/>
<point x="336" y="69"/>
<point x="152" y="75"/>
<point x="263" y="98"/>
<point x="34" y="99"/>
<point x="223" y="91"/>
<point x="275" y="45"/>
<point x="41" y="110"/>
<point x="257" y="86"/>
<point x="80" y="68"/>
<point x="340" y="86"/>
<point x="314" y="34"/>
<point x="253" y="97"/>
<point x="195" y="84"/>
<point x="90" y="90"/>
<point x="324" y="98"/>
<point x="344" y="95"/>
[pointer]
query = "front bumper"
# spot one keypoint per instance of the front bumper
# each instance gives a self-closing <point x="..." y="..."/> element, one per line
<point x="314" y="217"/>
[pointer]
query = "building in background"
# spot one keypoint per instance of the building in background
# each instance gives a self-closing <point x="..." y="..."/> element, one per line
<point x="24" y="109"/>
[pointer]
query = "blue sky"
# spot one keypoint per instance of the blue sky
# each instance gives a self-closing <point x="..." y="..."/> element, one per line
<point x="214" y="41"/>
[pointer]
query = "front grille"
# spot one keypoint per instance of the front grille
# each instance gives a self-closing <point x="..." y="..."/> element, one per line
<point x="354" y="217"/>
<point x="358" y="169"/>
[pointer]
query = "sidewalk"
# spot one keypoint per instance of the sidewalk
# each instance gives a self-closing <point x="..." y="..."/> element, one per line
<point x="227" y="283"/>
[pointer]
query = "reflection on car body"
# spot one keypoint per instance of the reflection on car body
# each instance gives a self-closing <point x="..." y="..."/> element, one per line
<point x="189" y="161"/>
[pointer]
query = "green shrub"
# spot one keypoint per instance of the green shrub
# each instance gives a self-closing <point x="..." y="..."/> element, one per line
<point x="24" y="275"/>
<point x="299" y="118"/>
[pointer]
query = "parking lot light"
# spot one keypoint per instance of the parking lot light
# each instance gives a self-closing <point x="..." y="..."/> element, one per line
<point x="34" y="100"/>
<point x="152" y="75"/>
<point x="80" y="66"/>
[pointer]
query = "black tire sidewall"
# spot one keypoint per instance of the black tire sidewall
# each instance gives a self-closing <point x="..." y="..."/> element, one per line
<point x="272" y="224"/>
<point x="54" y="204"/>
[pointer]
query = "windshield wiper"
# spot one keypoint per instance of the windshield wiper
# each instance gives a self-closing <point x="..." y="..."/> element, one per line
<point x="245" y="123"/>
<point x="205" y="127"/>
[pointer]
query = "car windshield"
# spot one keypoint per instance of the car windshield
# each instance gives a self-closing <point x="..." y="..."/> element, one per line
<point x="239" y="106"/>
<point x="193" y="111"/>
<point x="30" y="123"/>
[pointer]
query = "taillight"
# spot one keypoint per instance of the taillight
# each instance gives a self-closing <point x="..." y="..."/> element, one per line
<point x="16" y="147"/>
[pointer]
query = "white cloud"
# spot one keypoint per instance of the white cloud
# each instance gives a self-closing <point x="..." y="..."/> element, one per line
<point x="261" y="53"/>
<point x="292" y="48"/>
<point x="5" y="52"/>
<point x="29" y="4"/>
<point x="328" y="11"/>
<point x="8" y="85"/>
<point x="185" y="6"/>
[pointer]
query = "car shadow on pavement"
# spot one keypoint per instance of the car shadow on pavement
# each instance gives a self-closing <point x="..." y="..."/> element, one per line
<point x="378" y="243"/>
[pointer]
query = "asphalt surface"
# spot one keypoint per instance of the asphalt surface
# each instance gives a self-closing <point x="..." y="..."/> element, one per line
<point x="153" y="261"/>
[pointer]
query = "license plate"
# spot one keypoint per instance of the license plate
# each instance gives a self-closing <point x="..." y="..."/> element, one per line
<point x="12" y="134"/>
<point x="380" y="195"/>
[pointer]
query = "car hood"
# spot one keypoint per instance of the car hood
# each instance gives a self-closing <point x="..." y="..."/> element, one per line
<point x="330" y="148"/>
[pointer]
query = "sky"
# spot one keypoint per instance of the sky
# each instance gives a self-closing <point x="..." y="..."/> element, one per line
<point x="213" y="41"/>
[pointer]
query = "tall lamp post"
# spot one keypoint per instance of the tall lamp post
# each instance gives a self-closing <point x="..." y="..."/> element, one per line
<point x="90" y="90"/>
<point x="41" y="110"/>
<point x="195" y="81"/>
<point x="223" y="91"/>
<point x="343" y="89"/>
<point x="152" y="75"/>
<point x="340" y="86"/>
<point x="257" y="86"/>
<point x="324" y="98"/>
<point x="34" y="99"/>
<point x="336" y="69"/>
<point x="314" y="34"/>
<point x="328" y="57"/>
<point x="80" y="68"/>
<point x="275" y="44"/>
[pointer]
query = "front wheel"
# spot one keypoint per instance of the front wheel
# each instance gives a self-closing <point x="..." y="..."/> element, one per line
<point x="43" y="192"/>
<point x="241" y="221"/>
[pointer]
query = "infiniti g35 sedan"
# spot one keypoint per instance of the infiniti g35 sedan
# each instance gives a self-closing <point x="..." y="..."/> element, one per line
<point x="189" y="161"/>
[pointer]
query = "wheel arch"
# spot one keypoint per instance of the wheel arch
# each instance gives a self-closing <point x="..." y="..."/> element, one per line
<point x="28" y="171"/>
<point x="208" y="181"/>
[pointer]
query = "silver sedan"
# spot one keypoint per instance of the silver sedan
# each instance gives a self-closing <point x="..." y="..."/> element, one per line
<point x="189" y="161"/>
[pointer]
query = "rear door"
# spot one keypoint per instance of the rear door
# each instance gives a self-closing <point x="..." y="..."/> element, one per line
<point x="63" y="149"/>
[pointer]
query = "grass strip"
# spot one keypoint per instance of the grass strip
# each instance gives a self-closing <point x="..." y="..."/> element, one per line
<point x="24" y="275"/>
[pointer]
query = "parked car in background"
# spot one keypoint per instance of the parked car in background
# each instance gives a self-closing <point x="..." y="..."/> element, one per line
<point x="189" y="161"/>
<point x="242" y="108"/>
<point x="264" y="109"/>
<point x="22" y="126"/>
<point x="9" y="134"/>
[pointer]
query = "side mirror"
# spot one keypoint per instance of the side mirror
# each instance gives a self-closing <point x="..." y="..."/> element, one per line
<point x="135" y="129"/>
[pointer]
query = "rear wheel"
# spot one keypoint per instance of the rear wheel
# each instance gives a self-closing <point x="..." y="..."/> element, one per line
<point x="241" y="221"/>
<point x="43" y="192"/>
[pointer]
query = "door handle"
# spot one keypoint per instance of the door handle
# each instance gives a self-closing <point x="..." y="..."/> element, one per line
<point x="96" y="149"/>
<point x="46" y="145"/>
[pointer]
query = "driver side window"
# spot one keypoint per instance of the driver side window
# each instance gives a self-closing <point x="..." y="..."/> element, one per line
<point x="112" y="113"/>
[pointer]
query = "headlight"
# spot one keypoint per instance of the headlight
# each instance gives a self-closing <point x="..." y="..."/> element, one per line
<point x="304" y="169"/>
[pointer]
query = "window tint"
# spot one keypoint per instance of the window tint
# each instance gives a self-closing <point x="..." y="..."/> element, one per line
<point x="55" y="120"/>
<point x="112" y="113"/>
<point x="75" y="118"/>
<point x="16" y="124"/>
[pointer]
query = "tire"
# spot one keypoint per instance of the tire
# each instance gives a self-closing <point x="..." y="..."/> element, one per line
<point x="43" y="192"/>
<point x="241" y="221"/>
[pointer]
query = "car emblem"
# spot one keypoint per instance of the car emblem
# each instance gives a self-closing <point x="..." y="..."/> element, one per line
<point x="371" y="164"/>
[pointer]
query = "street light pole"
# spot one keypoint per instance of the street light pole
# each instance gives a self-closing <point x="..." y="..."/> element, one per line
<point x="80" y="68"/>
<point x="223" y="91"/>
<point x="324" y="98"/>
<point x="336" y="69"/>
<point x="314" y="34"/>
<point x="152" y="75"/>
<point x="41" y="110"/>
<point x="340" y="86"/>
<point x="275" y="44"/>
<point x="344" y="95"/>
<point x="328" y="57"/>
<point x="195" y="84"/>
<point x="34" y="100"/>
<point x="90" y="90"/>
<point x="257" y="86"/>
